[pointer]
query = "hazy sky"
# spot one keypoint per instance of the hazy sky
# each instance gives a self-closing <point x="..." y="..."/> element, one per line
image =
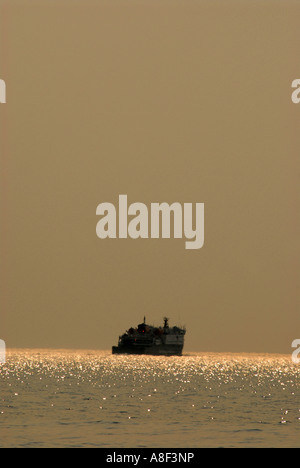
<point x="186" y="101"/>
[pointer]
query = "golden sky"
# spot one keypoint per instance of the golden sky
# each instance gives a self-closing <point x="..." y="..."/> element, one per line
<point x="165" y="101"/>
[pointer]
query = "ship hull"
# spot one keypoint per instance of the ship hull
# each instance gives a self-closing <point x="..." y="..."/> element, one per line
<point x="156" y="350"/>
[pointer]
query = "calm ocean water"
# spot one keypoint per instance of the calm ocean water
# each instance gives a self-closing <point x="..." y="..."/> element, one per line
<point x="94" y="399"/>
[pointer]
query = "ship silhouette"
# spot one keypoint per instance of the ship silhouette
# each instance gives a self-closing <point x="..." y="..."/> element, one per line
<point x="147" y="339"/>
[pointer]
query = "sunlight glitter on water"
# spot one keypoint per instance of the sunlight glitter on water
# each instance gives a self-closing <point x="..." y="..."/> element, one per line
<point x="94" y="399"/>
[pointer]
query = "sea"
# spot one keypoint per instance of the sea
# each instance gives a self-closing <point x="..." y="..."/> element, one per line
<point x="87" y="399"/>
